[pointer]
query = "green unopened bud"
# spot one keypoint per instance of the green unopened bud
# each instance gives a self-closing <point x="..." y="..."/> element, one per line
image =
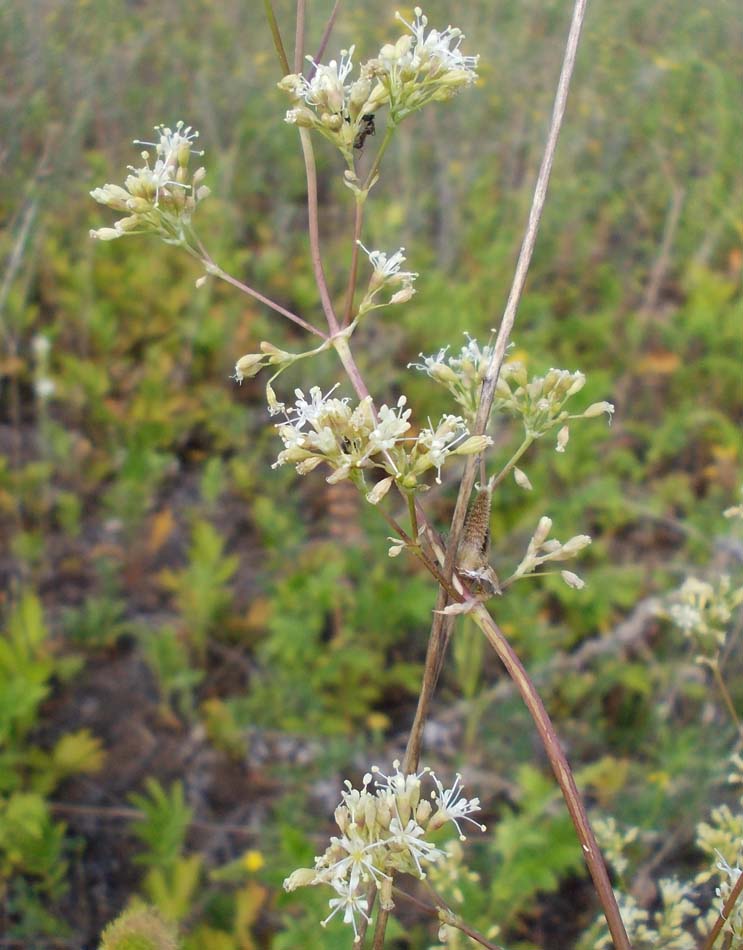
<point x="473" y="445"/>
<point x="130" y="223"/>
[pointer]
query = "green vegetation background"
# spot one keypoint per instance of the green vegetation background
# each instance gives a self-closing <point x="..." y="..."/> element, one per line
<point x="185" y="623"/>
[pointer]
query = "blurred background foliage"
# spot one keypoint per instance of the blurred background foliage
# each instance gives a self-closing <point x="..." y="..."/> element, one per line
<point x="197" y="648"/>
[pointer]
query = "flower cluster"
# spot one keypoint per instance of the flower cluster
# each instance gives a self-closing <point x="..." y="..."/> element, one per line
<point x="383" y="832"/>
<point x="417" y="69"/>
<point x="543" y="549"/>
<point x="702" y="611"/>
<point x="421" y="68"/>
<point x="667" y="927"/>
<point x="387" y="276"/>
<point x="157" y="198"/>
<point x="324" y="429"/>
<point x="462" y="374"/>
<point x="340" y="110"/>
<point x="540" y="402"/>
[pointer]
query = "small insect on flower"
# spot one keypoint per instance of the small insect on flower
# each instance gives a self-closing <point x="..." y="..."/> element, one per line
<point x="367" y="128"/>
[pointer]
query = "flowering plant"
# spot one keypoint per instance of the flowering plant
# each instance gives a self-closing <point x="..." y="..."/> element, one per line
<point x="385" y="826"/>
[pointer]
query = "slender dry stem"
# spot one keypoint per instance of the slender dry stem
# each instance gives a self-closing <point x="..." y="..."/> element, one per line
<point x="326" y="34"/>
<point x="727" y="909"/>
<point x="441" y="630"/>
<point x="563" y="773"/>
<point x="314" y="230"/>
<point x="299" y="36"/>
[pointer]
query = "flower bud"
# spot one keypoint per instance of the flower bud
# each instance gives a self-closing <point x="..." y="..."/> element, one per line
<point x="576" y="544"/>
<point x="105" y="234"/>
<point x="597" y="408"/>
<point x="572" y="580"/>
<point x="300" y="878"/>
<point x="473" y="445"/>
<point x="274" y="406"/>
<point x="562" y="439"/>
<point x="248" y="365"/>
<point x="543" y="529"/>
<point x="380" y="490"/>
<point x="578" y="383"/>
<point x="522" y="479"/>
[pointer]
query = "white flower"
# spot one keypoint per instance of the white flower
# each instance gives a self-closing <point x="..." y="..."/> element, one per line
<point x="436" y="50"/>
<point x="174" y="146"/>
<point x="326" y="89"/>
<point x="350" y="903"/>
<point x="442" y="441"/>
<point x="358" y="861"/>
<point x="390" y="427"/>
<point x="304" y="411"/>
<point x="409" y="838"/>
<point x="452" y="806"/>
<point x="387" y="269"/>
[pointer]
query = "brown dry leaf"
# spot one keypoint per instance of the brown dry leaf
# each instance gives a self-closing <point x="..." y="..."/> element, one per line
<point x="662" y="363"/>
<point x="161" y="528"/>
<point x="12" y="366"/>
<point x="258" y="614"/>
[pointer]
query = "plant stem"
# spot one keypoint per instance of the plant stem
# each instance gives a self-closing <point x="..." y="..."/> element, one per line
<point x="382" y="918"/>
<point x="451" y="919"/>
<point x="326" y="34"/>
<point x="413" y="515"/>
<point x="217" y="271"/>
<point x="276" y="34"/>
<point x="727" y="699"/>
<point x="314" y="229"/>
<point x="359" y="220"/>
<point x="299" y="36"/>
<point x="563" y="774"/>
<point x="512" y="461"/>
<point x="724" y="914"/>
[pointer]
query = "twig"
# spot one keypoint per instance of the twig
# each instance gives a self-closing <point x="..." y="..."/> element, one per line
<point x="244" y="288"/>
<point x="326" y="34"/>
<point x="452" y="920"/>
<point x="724" y="914"/>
